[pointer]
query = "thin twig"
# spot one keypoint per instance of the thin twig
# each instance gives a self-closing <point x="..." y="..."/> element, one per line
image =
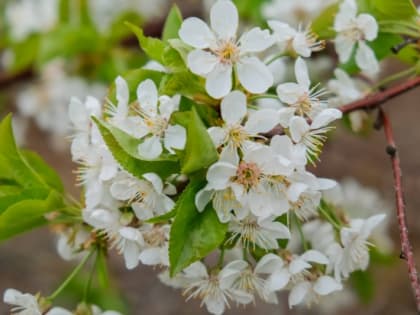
<point x="406" y="248"/>
<point x="377" y="99"/>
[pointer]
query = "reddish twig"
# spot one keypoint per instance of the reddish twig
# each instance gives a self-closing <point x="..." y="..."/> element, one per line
<point x="406" y="248"/>
<point x="9" y="79"/>
<point x="377" y="99"/>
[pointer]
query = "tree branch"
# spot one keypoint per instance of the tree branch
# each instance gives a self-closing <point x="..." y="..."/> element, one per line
<point x="406" y="248"/>
<point x="377" y="99"/>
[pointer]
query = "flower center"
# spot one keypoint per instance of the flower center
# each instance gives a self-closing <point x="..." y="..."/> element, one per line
<point x="354" y="32"/>
<point x="157" y="125"/>
<point x="248" y="174"/>
<point x="155" y="237"/>
<point x="237" y="135"/>
<point x="303" y="105"/>
<point x="228" y="52"/>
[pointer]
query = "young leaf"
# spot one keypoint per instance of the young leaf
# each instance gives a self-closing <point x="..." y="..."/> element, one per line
<point x="193" y="234"/>
<point x="153" y="47"/>
<point x="27" y="170"/>
<point x="172" y="24"/>
<point x="27" y="215"/>
<point x="131" y="164"/>
<point x="324" y="23"/>
<point x="200" y="151"/>
<point x="184" y="82"/>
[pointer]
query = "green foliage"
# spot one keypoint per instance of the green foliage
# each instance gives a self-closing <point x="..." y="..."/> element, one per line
<point x="193" y="234"/>
<point x="162" y="218"/>
<point x="24" y="53"/>
<point x="324" y="23"/>
<point x="251" y="10"/>
<point x="184" y="82"/>
<point x="123" y="149"/>
<point x="27" y="214"/>
<point x="389" y="9"/>
<point x="29" y="188"/>
<point x="68" y="41"/>
<point x="200" y="151"/>
<point x="172" y="24"/>
<point x="153" y="47"/>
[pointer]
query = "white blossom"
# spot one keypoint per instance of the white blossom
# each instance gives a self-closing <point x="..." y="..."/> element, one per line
<point x="217" y="51"/>
<point x="353" y="29"/>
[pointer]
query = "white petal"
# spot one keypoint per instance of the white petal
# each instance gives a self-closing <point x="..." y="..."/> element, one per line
<point x="295" y="190"/>
<point x="326" y="285"/>
<point x="366" y="59"/>
<point x="219" y="81"/>
<point x="262" y="121"/>
<point x="368" y="25"/>
<point x="201" y="62"/>
<point x="202" y="198"/>
<point x="344" y="47"/>
<point x="298" y="293"/>
<point x="345" y="16"/>
<point x="219" y="174"/>
<point x="371" y="223"/>
<point x="196" y="33"/>
<point x="147" y="96"/>
<point x="218" y="135"/>
<point x="278" y="280"/>
<point x="297" y="265"/>
<point x="175" y="138"/>
<point x="131" y="255"/>
<point x="121" y="190"/>
<point x="233" y="108"/>
<point x="301" y="73"/>
<point x="254" y="75"/>
<point x="123" y="96"/>
<point x="315" y="256"/>
<point x="155" y="180"/>
<point x="298" y="128"/>
<point x="290" y="93"/>
<point x="282" y="31"/>
<point x="300" y="45"/>
<point x="58" y="311"/>
<point x="77" y="113"/>
<point x="215" y="303"/>
<point x="326" y="117"/>
<point x="151" y="256"/>
<point x="151" y="148"/>
<point x="224" y="19"/>
<point x="256" y="40"/>
<point x="268" y="264"/>
<point x="167" y="105"/>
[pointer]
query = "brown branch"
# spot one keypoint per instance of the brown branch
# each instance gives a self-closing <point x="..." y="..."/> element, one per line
<point x="7" y="80"/>
<point x="406" y="248"/>
<point x="377" y="99"/>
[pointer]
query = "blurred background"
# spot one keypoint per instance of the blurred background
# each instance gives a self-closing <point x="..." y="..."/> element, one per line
<point x="42" y="65"/>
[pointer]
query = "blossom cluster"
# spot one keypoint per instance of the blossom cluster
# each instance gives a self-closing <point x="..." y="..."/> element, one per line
<point x="280" y="231"/>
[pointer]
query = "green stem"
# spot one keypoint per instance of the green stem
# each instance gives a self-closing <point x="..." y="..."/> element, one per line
<point x="302" y="237"/>
<point x="221" y="258"/>
<point x="90" y="280"/>
<point x="329" y="218"/>
<point x="70" y="277"/>
<point x="274" y="58"/>
<point x="263" y="96"/>
<point x="394" y="77"/>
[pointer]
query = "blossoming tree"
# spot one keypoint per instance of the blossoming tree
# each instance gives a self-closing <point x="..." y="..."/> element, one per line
<point x="200" y="165"/>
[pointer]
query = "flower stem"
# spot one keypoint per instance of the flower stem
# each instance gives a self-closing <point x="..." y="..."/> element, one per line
<point x="70" y="277"/>
<point x="263" y="96"/>
<point x="302" y="236"/>
<point x="394" y="77"/>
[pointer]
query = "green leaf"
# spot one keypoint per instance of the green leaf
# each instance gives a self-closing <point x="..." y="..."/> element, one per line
<point x="173" y="61"/>
<point x="185" y="83"/>
<point x="27" y="173"/>
<point x="24" y="53"/>
<point x="162" y="218"/>
<point x="401" y="9"/>
<point x="31" y="194"/>
<point x="153" y="47"/>
<point x="324" y="23"/>
<point x="102" y="269"/>
<point x="172" y="24"/>
<point x="48" y="174"/>
<point x="200" y="151"/>
<point x="67" y="41"/>
<point x="131" y="164"/>
<point x="27" y="215"/>
<point x="193" y="234"/>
